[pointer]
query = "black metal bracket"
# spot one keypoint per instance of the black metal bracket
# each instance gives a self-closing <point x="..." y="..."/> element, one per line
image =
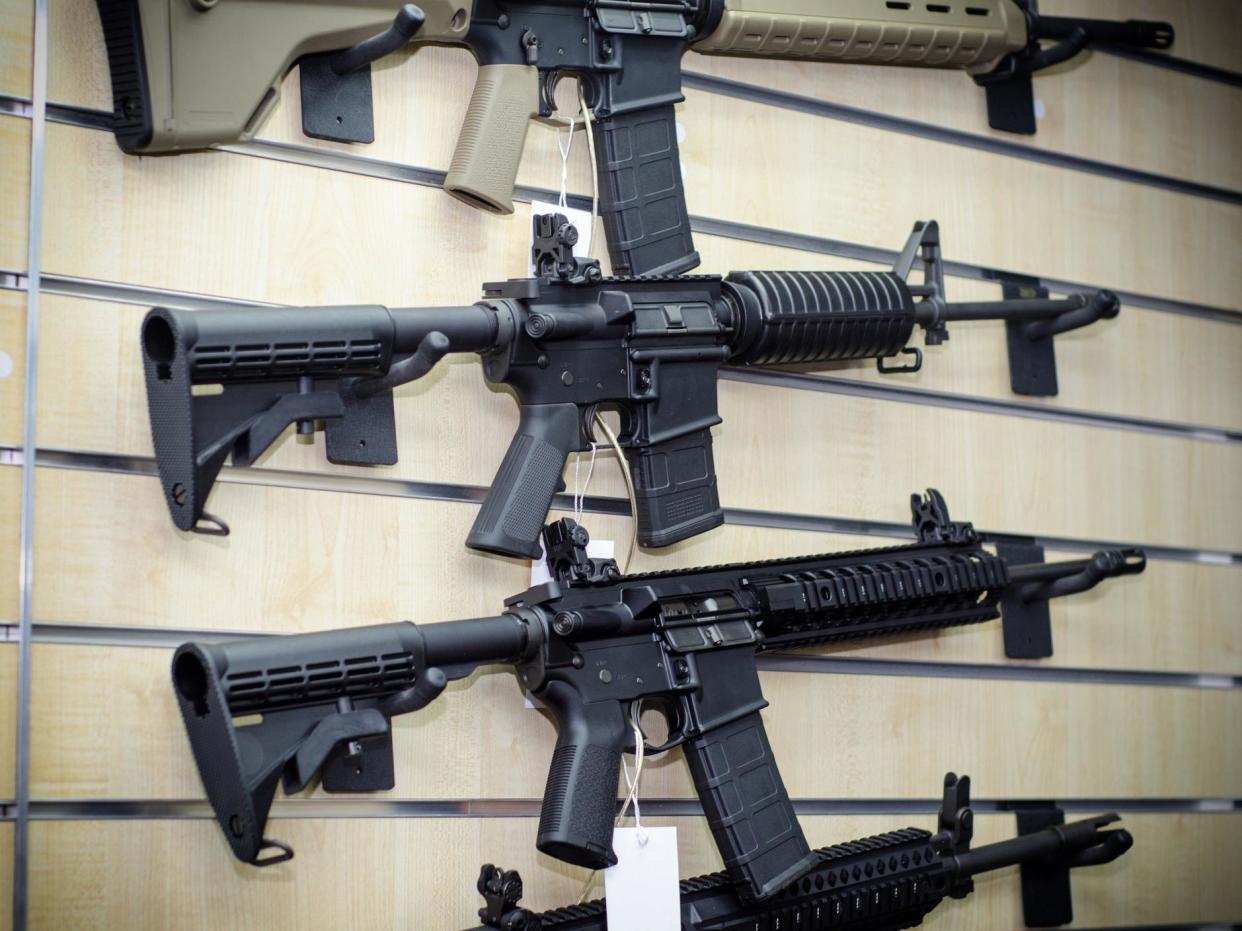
<point x="1047" y="899"/>
<point x="1010" y="95"/>
<point x="1027" y="625"/>
<point x="1032" y="362"/>
<point x="336" y="86"/>
<point x="1025" y="616"/>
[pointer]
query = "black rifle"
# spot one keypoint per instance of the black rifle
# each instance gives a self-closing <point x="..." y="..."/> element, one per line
<point x="189" y="76"/>
<point x="567" y="343"/>
<point x="882" y="883"/>
<point x="593" y="646"/>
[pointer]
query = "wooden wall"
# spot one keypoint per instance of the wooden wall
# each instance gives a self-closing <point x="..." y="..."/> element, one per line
<point x="281" y="225"/>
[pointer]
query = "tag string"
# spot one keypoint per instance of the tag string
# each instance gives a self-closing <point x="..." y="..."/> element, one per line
<point x="565" y="150"/>
<point x="580" y="489"/>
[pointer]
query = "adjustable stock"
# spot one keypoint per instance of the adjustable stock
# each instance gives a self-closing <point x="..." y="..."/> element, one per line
<point x="323" y="703"/>
<point x="224" y="383"/>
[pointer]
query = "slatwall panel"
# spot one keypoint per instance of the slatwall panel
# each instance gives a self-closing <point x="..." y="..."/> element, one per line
<point x="1139" y="706"/>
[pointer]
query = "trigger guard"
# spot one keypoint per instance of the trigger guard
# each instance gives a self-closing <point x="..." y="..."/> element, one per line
<point x="676" y="731"/>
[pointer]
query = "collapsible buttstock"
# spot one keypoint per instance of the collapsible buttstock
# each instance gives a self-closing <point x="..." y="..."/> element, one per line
<point x="489" y="148"/>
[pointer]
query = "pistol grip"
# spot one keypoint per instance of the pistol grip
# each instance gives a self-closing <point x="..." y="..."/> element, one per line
<point x="515" y="508"/>
<point x="675" y="488"/>
<point x="489" y="148"/>
<point x="641" y="197"/>
<point x="580" y="800"/>
<point x="747" y="807"/>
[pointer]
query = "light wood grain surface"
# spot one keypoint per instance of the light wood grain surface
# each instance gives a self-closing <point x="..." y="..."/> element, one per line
<point x="16" y="28"/>
<point x="14" y="191"/>
<point x="13" y="383"/>
<point x="185" y="876"/>
<point x="875" y="197"/>
<point x="8" y="719"/>
<point x="246" y="227"/>
<point x="306" y="560"/>
<point x="10" y="517"/>
<point x="889" y="737"/>
<point x="6" y="876"/>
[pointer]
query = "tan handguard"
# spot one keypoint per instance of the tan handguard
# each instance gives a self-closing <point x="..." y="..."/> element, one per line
<point x="489" y="149"/>
<point x="187" y="74"/>
<point x="955" y="33"/>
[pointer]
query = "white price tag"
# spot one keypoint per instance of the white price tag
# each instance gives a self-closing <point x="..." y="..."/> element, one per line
<point x="642" y="889"/>
<point x="579" y="218"/>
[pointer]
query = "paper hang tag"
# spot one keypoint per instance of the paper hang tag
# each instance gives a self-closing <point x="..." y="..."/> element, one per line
<point x="579" y="218"/>
<point x="596" y="549"/>
<point x="642" y="891"/>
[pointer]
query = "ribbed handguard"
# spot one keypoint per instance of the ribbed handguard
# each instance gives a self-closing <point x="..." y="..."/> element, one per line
<point x="675" y="488"/>
<point x="641" y="198"/>
<point x="515" y="508"/>
<point x="747" y="807"/>
<point x="789" y="317"/>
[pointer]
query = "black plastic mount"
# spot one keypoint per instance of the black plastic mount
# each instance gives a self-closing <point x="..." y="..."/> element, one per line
<point x="1047" y="900"/>
<point x="1027" y="625"/>
<point x="1047" y="897"/>
<point x="1032" y="361"/>
<point x="1010" y="94"/>
<point x="336" y="86"/>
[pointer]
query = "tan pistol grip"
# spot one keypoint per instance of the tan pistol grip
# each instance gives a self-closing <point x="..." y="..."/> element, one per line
<point x="956" y="35"/>
<point x="489" y="149"/>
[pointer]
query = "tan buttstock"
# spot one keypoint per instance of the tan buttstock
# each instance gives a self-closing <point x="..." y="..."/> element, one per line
<point x="953" y="33"/>
<point x="214" y="67"/>
<point x="489" y="149"/>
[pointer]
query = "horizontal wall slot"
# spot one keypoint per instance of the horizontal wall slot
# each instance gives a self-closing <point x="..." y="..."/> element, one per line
<point x="378" y="168"/>
<point x="473" y="494"/>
